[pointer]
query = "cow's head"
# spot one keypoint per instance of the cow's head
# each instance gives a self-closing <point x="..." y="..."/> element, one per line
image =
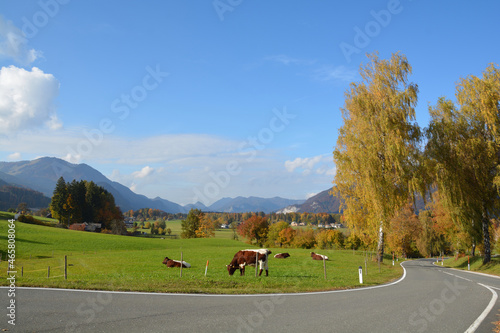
<point x="232" y="268"/>
<point x="166" y="260"/>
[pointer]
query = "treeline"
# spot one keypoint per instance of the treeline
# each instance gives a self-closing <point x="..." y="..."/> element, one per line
<point x="83" y="201"/>
<point x="144" y="214"/>
<point x="11" y="196"/>
<point x="260" y="231"/>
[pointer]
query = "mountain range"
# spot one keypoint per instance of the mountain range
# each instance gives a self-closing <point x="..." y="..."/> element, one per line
<point x="323" y="202"/>
<point x="42" y="174"/>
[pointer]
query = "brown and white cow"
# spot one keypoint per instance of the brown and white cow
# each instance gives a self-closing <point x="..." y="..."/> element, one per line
<point x="282" y="255"/>
<point x="247" y="258"/>
<point x="317" y="256"/>
<point x="175" y="263"/>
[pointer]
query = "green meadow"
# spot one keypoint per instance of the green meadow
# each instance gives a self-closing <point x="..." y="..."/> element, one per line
<point x="111" y="262"/>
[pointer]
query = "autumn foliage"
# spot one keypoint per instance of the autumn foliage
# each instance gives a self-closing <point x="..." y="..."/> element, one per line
<point x="254" y="229"/>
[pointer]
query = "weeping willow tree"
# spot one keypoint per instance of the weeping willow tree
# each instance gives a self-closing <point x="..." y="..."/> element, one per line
<point x="377" y="149"/>
<point x="464" y="151"/>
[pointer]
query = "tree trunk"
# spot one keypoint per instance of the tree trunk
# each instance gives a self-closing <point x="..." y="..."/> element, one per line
<point x="380" y="246"/>
<point x="473" y="248"/>
<point x="486" y="239"/>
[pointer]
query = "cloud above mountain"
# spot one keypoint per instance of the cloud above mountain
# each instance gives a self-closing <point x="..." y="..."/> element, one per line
<point x="27" y="99"/>
<point x="14" y="44"/>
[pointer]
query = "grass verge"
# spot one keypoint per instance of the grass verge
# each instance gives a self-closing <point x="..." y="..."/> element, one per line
<point x="476" y="264"/>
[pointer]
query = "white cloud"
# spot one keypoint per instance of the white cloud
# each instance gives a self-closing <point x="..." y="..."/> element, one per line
<point x="287" y="60"/>
<point x="144" y="172"/>
<point x="307" y="163"/>
<point x="14" y="157"/>
<point x="338" y="73"/>
<point x="27" y="99"/>
<point x="320" y="165"/>
<point x="14" y="45"/>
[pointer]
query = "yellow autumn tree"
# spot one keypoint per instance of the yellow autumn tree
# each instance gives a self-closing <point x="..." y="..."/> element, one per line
<point x="377" y="147"/>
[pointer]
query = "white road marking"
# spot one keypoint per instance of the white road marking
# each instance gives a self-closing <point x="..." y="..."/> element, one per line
<point x="457" y="276"/>
<point x="490" y="306"/>
<point x="486" y="311"/>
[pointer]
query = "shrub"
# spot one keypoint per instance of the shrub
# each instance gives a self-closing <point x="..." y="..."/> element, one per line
<point x="31" y="220"/>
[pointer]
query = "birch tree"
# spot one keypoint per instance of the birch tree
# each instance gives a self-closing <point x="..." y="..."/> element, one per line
<point x="377" y="148"/>
<point x="464" y="151"/>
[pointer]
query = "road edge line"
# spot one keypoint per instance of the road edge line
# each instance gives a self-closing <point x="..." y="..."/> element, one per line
<point x="475" y="325"/>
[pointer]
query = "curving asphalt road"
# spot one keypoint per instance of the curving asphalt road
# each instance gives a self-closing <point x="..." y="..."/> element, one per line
<point x="428" y="298"/>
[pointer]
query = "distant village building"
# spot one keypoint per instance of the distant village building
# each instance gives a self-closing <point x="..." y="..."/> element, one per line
<point x="93" y="227"/>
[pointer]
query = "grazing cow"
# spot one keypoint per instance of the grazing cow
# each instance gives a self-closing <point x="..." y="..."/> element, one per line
<point x="281" y="255"/>
<point x="247" y="257"/>
<point x="175" y="263"/>
<point x="317" y="256"/>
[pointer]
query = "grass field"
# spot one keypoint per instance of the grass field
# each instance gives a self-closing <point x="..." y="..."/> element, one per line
<point x="175" y="227"/>
<point x="110" y="262"/>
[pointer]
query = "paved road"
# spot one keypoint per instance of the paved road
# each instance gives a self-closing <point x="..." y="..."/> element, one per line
<point x="428" y="299"/>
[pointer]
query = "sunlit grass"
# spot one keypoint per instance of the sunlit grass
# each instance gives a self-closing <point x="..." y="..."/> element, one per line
<point x="110" y="262"/>
<point x="476" y="264"/>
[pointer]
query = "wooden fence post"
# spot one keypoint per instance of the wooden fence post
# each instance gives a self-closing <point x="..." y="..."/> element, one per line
<point x="65" y="267"/>
<point x="256" y="260"/>
<point x="48" y="272"/>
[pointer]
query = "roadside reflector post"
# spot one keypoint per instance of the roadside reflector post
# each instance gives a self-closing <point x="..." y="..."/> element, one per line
<point x="324" y="266"/>
<point x="206" y="268"/>
<point x="392" y="258"/>
<point x="360" y="275"/>
<point x="468" y="263"/>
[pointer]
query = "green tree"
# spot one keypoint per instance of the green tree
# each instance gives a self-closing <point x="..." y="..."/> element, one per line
<point x="377" y="148"/>
<point x="59" y="201"/>
<point x="464" y="154"/>
<point x="79" y="210"/>
<point x="191" y="223"/>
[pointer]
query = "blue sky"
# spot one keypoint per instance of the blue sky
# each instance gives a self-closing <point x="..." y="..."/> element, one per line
<point x="199" y="101"/>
